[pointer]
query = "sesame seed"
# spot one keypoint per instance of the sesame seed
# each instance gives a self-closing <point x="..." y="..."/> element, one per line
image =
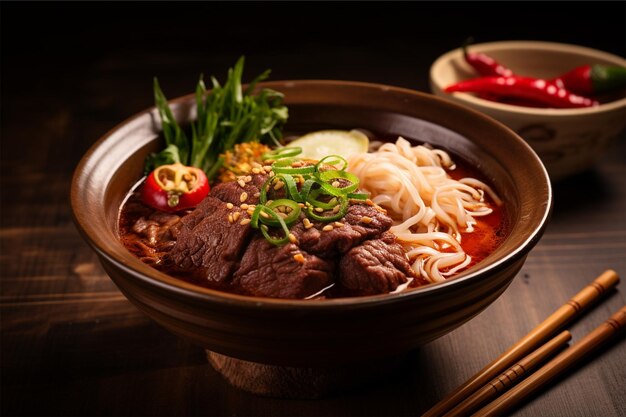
<point x="271" y="174"/>
<point x="267" y="168"/>
<point x="244" y="206"/>
<point x="248" y="179"/>
<point x="268" y="202"/>
<point x="336" y="208"/>
<point x="241" y="183"/>
<point x="327" y="228"/>
<point x="257" y="194"/>
<point x="292" y="238"/>
<point x="336" y="184"/>
<point x="250" y="211"/>
<point x="338" y="224"/>
<point x="366" y="219"/>
<point x="244" y="222"/>
<point x="264" y="214"/>
<point x="369" y="202"/>
<point x="229" y="206"/>
<point x="307" y="223"/>
<point x="230" y="218"/>
<point x="236" y="215"/>
<point x="319" y="209"/>
<point x="256" y="170"/>
<point x="279" y="185"/>
<point x="243" y="197"/>
<point x="299" y="258"/>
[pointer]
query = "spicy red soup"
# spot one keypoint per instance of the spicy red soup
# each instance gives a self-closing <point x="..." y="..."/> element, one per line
<point x="157" y="237"/>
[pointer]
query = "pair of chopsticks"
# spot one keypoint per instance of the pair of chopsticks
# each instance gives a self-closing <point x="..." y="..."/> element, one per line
<point x="521" y="359"/>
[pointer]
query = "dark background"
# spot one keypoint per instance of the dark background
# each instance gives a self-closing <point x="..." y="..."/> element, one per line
<point x="73" y="345"/>
<point x="69" y="57"/>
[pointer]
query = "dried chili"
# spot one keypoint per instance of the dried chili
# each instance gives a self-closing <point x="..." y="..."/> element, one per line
<point x="593" y="79"/>
<point x="526" y="88"/>
<point x="484" y="64"/>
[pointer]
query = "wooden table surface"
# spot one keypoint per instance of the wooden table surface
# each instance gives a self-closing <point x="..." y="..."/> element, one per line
<point x="71" y="344"/>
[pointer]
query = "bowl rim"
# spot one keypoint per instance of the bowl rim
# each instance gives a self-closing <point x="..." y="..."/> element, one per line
<point x="445" y="59"/>
<point x="171" y="284"/>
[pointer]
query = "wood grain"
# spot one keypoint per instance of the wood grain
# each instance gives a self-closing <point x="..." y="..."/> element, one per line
<point x="70" y="342"/>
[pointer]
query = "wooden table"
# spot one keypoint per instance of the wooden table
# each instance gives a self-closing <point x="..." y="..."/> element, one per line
<point x="71" y="344"/>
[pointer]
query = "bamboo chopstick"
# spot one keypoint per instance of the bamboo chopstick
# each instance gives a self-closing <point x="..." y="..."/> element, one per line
<point x="511" y="376"/>
<point x="607" y="280"/>
<point x="557" y="366"/>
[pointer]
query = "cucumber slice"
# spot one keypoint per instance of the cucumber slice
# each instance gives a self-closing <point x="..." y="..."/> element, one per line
<point x="316" y="145"/>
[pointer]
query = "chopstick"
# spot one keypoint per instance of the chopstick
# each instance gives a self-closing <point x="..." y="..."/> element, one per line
<point x="564" y="314"/>
<point x="511" y="376"/>
<point x="557" y="366"/>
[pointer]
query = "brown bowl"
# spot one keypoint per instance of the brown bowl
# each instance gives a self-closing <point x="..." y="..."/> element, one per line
<point x="331" y="334"/>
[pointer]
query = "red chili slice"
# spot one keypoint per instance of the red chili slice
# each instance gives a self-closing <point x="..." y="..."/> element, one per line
<point x="175" y="187"/>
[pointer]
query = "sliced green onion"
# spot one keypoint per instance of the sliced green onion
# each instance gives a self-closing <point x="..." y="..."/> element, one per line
<point x="292" y="217"/>
<point x="328" y="176"/>
<point x="273" y="241"/>
<point x="283" y="166"/>
<point x="316" y="184"/>
<point x="338" y="158"/>
<point x="290" y="186"/>
<point x="264" y="228"/>
<point x="307" y="188"/>
<point x="312" y="200"/>
<point x="336" y="216"/>
<point x="285" y="152"/>
<point x="254" y="219"/>
<point x="358" y="196"/>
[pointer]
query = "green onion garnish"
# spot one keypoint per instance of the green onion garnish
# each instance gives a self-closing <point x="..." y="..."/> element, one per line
<point x="284" y="152"/>
<point x="321" y="190"/>
<point x="343" y="209"/>
<point x="337" y="159"/>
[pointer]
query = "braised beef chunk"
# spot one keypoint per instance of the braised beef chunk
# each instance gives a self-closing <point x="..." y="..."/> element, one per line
<point x="208" y="245"/>
<point x="231" y="192"/>
<point x="159" y="229"/>
<point x="360" y="223"/>
<point x="358" y="251"/>
<point x="282" y="271"/>
<point x="377" y="266"/>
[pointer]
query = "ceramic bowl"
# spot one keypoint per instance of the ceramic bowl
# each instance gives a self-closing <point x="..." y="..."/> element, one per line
<point x="567" y="140"/>
<point x="258" y="336"/>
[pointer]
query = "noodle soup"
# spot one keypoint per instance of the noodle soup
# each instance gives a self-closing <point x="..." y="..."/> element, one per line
<point x="431" y="216"/>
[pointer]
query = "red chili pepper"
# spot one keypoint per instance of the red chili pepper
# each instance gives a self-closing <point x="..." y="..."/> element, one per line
<point x="534" y="89"/>
<point x="174" y="187"/>
<point x="484" y="64"/>
<point x="593" y="79"/>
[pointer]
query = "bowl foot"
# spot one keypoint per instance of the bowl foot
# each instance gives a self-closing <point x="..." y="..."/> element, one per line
<point x="299" y="382"/>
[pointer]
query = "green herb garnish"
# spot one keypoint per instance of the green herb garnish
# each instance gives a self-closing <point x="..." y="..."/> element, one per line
<point x="226" y="115"/>
<point x="321" y="197"/>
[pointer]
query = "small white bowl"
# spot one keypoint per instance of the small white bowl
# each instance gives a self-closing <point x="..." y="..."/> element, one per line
<point x="568" y="141"/>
